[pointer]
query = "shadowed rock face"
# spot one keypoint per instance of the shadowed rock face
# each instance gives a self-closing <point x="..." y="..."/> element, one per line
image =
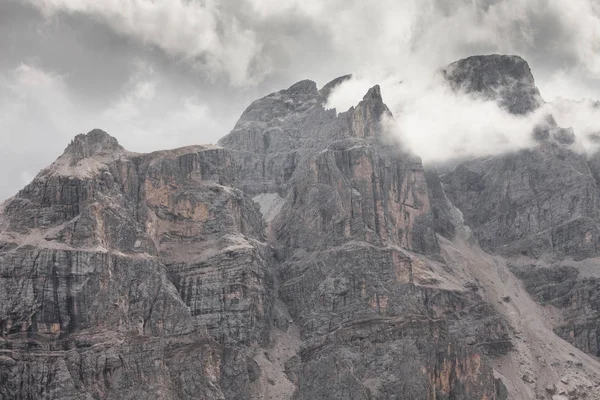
<point x="533" y="202"/>
<point x="356" y="214"/>
<point x="565" y="287"/>
<point x="296" y="260"/>
<point x="339" y="174"/>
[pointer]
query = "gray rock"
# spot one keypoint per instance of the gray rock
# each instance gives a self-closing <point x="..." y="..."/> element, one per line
<point x="132" y="276"/>
<point x="542" y="203"/>
<point x="530" y="202"/>
<point x="497" y="77"/>
<point x="534" y="201"/>
<point x="157" y="275"/>
<point x="326" y="90"/>
<point x="564" y="288"/>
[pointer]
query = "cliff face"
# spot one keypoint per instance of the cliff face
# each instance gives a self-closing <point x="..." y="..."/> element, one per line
<point x="308" y="256"/>
<point x="542" y="205"/>
<point x="131" y="276"/>
<point x="539" y="207"/>
<point x="351" y="233"/>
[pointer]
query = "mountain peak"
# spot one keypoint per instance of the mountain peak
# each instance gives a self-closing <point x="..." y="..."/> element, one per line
<point x="328" y="87"/>
<point x="373" y="102"/>
<point x="303" y="87"/>
<point x="373" y="94"/>
<point x="95" y="142"/>
<point x="505" y="78"/>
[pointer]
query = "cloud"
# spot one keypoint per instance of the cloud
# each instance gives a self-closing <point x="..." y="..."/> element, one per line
<point x="198" y="32"/>
<point x="433" y="121"/>
<point x="564" y="84"/>
<point x="244" y="41"/>
<point x="438" y="124"/>
<point x="584" y="117"/>
<point x="387" y="35"/>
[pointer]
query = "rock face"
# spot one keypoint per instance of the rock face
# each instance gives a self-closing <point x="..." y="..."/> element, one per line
<point x="572" y="287"/>
<point x="533" y="201"/>
<point x="507" y="79"/>
<point x="308" y="256"/>
<point x="132" y="276"/>
<point x="538" y="207"/>
<point x="355" y="216"/>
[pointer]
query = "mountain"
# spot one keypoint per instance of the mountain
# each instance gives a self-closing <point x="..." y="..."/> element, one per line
<point x="308" y="255"/>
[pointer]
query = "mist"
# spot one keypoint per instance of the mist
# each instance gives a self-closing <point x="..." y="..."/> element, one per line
<point x="440" y="124"/>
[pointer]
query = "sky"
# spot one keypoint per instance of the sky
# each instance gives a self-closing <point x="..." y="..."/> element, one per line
<point x="162" y="74"/>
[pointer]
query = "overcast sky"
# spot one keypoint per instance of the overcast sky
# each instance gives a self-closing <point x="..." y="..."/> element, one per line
<point x="167" y="73"/>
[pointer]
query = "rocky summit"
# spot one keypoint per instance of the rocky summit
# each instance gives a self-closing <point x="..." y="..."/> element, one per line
<point x="308" y="255"/>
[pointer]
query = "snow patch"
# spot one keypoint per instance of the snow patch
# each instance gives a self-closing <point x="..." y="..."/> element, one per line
<point x="270" y="205"/>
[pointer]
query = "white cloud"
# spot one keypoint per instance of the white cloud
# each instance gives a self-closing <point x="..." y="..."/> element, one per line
<point x="235" y="38"/>
<point x="566" y="84"/>
<point x="409" y="41"/>
<point x="583" y="116"/>
<point x="439" y="125"/>
<point x="196" y="31"/>
<point x="583" y="18"/>
<point x="349" y="93"/>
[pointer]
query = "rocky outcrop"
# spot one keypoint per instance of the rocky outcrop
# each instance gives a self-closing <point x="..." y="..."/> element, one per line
<point x="532" y="202"/>
<point x="346" y="176"/>
<point x="572" y="288"/>
<point x="108" y="252"/>
<point x="507" y="79"/>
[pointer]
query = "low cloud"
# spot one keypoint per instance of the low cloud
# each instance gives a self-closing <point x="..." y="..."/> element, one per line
<point x="584" y="117"/>
<point x="196" y="32"/>
<point x="558" y="38"/>
<point x="439" y="124"/>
